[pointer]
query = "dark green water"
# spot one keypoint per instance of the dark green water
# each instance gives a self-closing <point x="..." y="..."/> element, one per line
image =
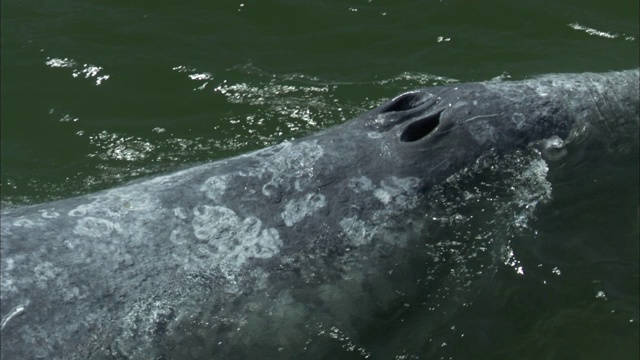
<point x="96" y="93"/>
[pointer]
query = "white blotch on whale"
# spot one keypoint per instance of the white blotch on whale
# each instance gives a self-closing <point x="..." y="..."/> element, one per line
<point x="215" y="187"/>
<point x="296" y="210"/>
<point x="25" y="223"/>
<point x="228" y="240"/>
<point x="180" y="212"/>
<point x="179" y="236"/>
<point x="357" y="230"/>
<point x="48" y="214"/>
<point x="6" y="281"/>
<point x="394" y="190"/>
<point x="95" y="227"/>
<point x="289" y="164"/>
<point x="45" y="272"/>
<point x="360" y="184"/>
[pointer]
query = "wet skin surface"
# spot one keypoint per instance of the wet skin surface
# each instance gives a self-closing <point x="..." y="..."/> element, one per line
<point x="123" y="272"/>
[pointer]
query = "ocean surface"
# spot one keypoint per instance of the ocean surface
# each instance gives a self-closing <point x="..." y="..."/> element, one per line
<point x="97" y="93"/>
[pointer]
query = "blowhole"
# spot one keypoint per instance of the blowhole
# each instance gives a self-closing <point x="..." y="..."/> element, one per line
<point x="405" y="102"/>
<point x="420" y="128"/>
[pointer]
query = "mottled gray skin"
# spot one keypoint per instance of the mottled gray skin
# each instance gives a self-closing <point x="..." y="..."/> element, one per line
<point x="268" y="241"/>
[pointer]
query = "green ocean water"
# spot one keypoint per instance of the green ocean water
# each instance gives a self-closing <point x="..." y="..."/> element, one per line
<point x="98" y="93"/>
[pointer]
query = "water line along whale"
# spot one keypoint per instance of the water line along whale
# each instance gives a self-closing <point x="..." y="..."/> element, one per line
<point x="122" y="272"/>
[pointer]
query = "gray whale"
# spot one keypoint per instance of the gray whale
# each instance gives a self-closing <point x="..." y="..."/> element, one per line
<point x="265" y="241"/>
